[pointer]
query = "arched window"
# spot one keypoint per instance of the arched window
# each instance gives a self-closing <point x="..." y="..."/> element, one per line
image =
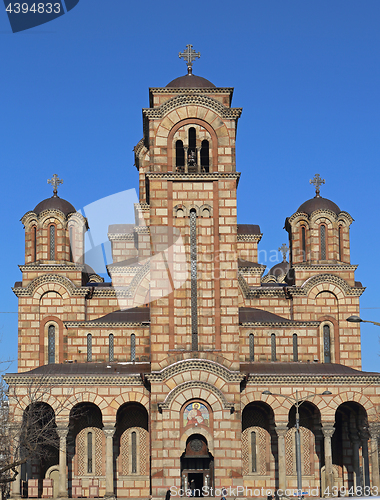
<point x="326" y="344"/>
<point x="89" y="347"/>
<point x="303" y="238"/>
<point x="52" y="242"/>
<point x="133" y="347"/>
<point x="193" y="280"/>
<point x="322" y="234"/>
<point x="273" y="346"/>
<point x="110" y="347"/>
<point x="251" y="347"/>
<point x="134" y="452"/>
<point x="253" y="452"/>
<point x="89" y="452"/>
<point x="51" y="344"/>
<point x="179" y="156"/>
<point x="205" y="156"/>
<point x="295" y="347"/>
<point x="192" y="159"/>
<point x="34" y="258"/>
<point x="71" y="243"/>
<point x="340" y="242"/>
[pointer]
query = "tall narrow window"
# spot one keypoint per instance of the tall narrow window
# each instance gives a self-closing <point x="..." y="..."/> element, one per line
<point x="133" y="347"/>
<point x="89" y="347"/>
<point x="192" y="150"/>
<point x="205" y="156"/>
<point x="110" y="347"/>
<point x="253" y="451"/>
<point x="340" y="242"/>
<point x="194" y="285"/>
<point x="51" y="344"/>
<point x="303" y="236"/>
<point x="251" y="347"/>
<point x="273" y="346"/>
<point x="322" y="230"/>
<point x="326" y="344"/>
<point x="34" y="243"/>
<point x="295" y="347"/>
<point x="134" y="452"/>
<point x="89" y="453"/>
<point x="179" y="156"/>
<point x="71" y="243"/>
<point x="52" y="242"/>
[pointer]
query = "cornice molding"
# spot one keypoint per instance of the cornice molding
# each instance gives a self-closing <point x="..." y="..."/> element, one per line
<point x="282" y="324"/>
<point x="313" y="379"/>
<point x="198" y="365"/>
<point x="52" y="267"/>
<point x="325" y="267"/>
<point x="44" y="381"/>
<point x="29" y="290"/>
<point x="249" y="237"/>
<point x="252" y="271"/>
<point x="190" y="100"/>
<point x="101" y="324"/>
<point x="191" y="90"/>
<point x="174" y="176"/>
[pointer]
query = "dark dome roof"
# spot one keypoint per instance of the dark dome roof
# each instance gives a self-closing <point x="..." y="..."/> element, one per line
<point x="318" y="203"/>
<point x="190" y="81"/>
<point x="56" y="203"/>
<point x="279" y="269"/>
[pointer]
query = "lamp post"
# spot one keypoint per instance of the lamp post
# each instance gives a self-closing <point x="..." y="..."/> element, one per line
<point x="357" y="319"/>
<point x="297" y="403"/>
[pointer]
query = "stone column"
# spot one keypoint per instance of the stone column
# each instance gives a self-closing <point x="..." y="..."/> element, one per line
<point x="328" y="430"/>
<point x="374" y="430"/>
<point x="354" y="438"/>
<point x="109" y="432"/>
<point x="281" y="431"/>
<point x="62" y="431"/>
<point x="364" y="436"/>
<point x="16" y="485"/>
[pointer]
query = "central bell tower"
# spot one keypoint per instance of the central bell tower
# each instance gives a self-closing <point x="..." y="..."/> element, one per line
<point x="188" y="182"/>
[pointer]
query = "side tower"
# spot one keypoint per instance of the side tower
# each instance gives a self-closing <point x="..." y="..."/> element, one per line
<point x="188" y="181"/>
<point x="324" y="278"/>
<point x="54" y="249"/>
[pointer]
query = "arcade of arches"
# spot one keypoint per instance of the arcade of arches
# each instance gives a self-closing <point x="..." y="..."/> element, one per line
<point x="179" y="371"/>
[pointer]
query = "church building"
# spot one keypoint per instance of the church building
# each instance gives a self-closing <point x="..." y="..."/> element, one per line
<point x="193" y="368"/>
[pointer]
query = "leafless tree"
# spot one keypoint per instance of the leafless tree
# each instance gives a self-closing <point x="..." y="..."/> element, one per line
<point x="33" y="437"/>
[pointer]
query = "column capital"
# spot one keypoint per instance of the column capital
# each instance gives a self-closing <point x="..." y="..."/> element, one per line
<point x="109" y="430"/>
<point x="281" y="429"/>
<point x="62" y="431"/>
<point x="328" y="430"/>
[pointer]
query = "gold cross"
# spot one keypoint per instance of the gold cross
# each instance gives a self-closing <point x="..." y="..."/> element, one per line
<point x="317" y="181"/>
<point x="189" y="55"/>
<point x="55" y="182"/>
<point x="284" y="250"/>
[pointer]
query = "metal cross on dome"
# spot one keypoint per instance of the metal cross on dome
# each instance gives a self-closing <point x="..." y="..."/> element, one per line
<point x="317" y="181"/>
<point x="189" y="55"/>
<point x="55" y="182"/>
<point x="284" y="250"/>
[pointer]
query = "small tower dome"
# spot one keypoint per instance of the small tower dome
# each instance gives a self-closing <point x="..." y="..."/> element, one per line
<point x="319" y="231"/>
<point x="190" y="80"/>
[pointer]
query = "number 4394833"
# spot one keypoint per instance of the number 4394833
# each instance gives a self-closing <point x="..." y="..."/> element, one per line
<point x="36" y="8"/>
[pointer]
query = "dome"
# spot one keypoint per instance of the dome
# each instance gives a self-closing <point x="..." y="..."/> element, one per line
<point x="190" y="81"/>
<point x="318" y="203"/>
<point x="54" y="203"/>
<point x="279" y="269"/>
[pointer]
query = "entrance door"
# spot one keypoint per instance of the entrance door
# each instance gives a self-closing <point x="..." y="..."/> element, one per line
<point x="197" y="466"/>
<point x="195" y="481"/>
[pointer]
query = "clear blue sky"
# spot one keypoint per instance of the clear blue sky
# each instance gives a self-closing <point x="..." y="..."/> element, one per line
<point x="306" y="73"/>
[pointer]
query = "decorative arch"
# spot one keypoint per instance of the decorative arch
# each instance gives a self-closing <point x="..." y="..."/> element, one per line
<point x="204" y="432"/>
<point x="357" y="397"/>
<point x="327" y="282"/>
<point x="51" y="282"/>
<point x="204" y="388"/>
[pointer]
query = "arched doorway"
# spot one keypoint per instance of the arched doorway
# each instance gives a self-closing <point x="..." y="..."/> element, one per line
<point x="197" y="466"/>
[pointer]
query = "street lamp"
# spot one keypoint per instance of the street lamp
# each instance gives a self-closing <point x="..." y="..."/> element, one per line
<point x="297" y="403"/>
<point x="357" y="319"/>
